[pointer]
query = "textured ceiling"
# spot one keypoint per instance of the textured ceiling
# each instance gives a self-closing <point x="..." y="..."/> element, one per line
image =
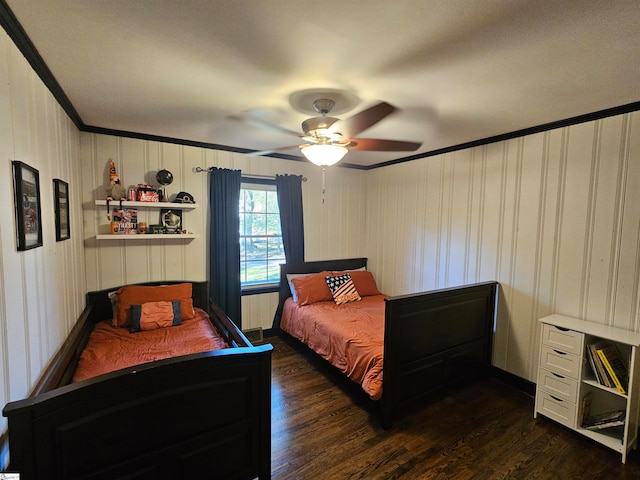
<point x="458" y="70"/>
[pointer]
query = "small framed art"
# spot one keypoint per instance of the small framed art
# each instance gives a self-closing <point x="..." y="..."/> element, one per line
<point x="61" y="205"/>
<point x="26" y="188"/>
<point x="171" y="220"/>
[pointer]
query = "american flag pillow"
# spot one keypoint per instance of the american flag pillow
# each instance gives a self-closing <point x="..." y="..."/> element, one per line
<point x="342" y="289"/>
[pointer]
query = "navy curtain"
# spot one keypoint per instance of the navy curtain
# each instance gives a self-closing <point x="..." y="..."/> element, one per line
<point x="289" y="188"/>
<point x="224" y="235"/>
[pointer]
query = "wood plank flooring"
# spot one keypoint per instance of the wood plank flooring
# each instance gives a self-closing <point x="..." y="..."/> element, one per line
<point x="325" y="427"/>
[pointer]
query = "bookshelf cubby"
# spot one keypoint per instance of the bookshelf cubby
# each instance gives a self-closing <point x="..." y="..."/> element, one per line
<point x="566" y="377"/>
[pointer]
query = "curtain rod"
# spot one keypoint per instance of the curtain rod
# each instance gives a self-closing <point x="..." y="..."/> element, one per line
<point x="250" y="175"/>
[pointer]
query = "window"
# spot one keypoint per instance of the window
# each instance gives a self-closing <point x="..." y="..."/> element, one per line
<point x="261" y="249"/>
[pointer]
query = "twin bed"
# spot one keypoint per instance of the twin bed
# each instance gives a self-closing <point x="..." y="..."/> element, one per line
<point x="194" y="401"/>
<point x="427" y="340"/>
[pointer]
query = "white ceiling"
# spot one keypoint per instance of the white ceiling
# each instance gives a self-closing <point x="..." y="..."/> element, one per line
<point x="458" y="70"/>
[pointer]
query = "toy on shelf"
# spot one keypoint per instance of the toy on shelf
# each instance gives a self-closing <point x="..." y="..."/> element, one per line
<point x="115" y="190"/>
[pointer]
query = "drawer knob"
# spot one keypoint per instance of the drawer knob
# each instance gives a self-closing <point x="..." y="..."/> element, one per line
<point x="557" y="375"/>
<point x="556" y="398"/>
<point x="559" y="352"/>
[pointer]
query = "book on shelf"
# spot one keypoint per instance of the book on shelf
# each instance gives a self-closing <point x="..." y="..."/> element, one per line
<point x="613" y="418"/>
<point x="586" y="407"/>
<point x="615" y="366"/>
<point x="597" y="366"/>
<point x="125" y="221"/>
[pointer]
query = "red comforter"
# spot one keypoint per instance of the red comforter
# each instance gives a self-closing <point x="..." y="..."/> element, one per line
<point x="111" y="348"/>
<point x="349" y="336"/>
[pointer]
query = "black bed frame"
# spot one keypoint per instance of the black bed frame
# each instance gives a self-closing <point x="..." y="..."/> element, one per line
<point x="431" y="339"/>
<point x="205" y="415"/>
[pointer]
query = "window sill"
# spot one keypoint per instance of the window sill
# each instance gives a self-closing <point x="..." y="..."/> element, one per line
<point x="260" y="289"/>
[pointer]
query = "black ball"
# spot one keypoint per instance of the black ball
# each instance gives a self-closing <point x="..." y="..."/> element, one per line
<point x="164" y="177"/>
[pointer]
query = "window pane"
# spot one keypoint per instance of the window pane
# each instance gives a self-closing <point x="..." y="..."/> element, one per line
<point x="276" y="250"/>
<point x="274" y="271"/>
<point x="258" y="224"/>
<point x="256" y="272"/>
<point x="272" y="203"/>
<point x="273" y="225"/>
<point x="260" y="201"/>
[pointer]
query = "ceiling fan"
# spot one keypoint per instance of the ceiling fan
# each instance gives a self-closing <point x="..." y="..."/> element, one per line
<point x="328" y="139"/>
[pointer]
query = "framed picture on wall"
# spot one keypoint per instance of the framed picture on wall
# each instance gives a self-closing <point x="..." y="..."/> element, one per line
<point x="61" y="205"/>
<point x="26" y="189"/>
<point x="171" y="220"/>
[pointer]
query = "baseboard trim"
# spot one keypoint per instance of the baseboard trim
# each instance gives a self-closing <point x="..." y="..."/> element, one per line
<point x="520" y="383"/>
<point x="270" y="332"/>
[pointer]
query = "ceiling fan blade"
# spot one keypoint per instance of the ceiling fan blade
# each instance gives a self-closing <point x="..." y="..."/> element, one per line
<point x="352" y="126"/>
<point x="254" y="122"/>
<point x="259" y="153"/>
<point x="373" y="144"/>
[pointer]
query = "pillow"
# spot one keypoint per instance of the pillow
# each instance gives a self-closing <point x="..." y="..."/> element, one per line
<point x="365" y="283"/>
<point x="361" y="269"/>
<point x="154" y="315"/>
<point x="290" y="277"/>
<point x="312" y="288"/>
<point x="139" y="294"/>
<point x="342" y="288"/>
<point x="114" y="306"/>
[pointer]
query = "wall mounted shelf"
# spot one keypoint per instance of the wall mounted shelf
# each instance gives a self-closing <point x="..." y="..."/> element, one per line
<point x="148" y="236"/>
<point x="129" y="204"/>
<point x="148" y="205"/>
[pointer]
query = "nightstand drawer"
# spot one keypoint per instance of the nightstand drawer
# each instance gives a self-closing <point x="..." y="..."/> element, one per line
<point x="554" y="360"/>
<point x="559" y="410"/>
<point x="564" y="388"/>
<point x="562" y="339"/>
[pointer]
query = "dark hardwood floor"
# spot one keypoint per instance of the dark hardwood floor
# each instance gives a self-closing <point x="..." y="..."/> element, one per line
<point x="324" y="427"/>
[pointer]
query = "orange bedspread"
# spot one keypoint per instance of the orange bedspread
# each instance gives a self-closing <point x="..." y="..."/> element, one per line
<point x="111" y="348"/>
<point x="349" y="336"/>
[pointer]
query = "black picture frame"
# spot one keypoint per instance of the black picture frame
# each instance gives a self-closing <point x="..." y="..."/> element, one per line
<point x="171" y="220"/>
<point x="61" y="209"/>
<point x="26" y="188"/>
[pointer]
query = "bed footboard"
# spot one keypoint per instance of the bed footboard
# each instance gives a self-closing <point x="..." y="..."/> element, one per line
<point x="434" y="339"/>
<point x="204" y="415"/>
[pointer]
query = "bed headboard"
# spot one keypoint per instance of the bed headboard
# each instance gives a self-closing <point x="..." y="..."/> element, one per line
<point x="101" y="303"/>
<point x="310" y="267"/>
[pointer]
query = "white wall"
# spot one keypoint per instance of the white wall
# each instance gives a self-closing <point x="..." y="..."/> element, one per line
<point x="334" y="229"/>
<point x="42" y="289"/>
<point x="554" y="217"/>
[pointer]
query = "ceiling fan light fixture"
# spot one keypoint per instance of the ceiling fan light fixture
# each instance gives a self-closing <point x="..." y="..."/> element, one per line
<point x="324" y="155"/>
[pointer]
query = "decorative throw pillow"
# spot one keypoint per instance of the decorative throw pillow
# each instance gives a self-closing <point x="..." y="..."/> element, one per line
<point x="139" y="294"/>
<point x="154" y="315"/>
<point x="342" y="289"/>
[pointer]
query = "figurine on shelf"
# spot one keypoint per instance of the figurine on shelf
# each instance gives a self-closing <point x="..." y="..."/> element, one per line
<point x="115" y="190"/>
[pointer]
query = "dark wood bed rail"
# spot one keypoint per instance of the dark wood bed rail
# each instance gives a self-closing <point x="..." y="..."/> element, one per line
<point x="431" y="340"/>
<point x="168" y="418"/>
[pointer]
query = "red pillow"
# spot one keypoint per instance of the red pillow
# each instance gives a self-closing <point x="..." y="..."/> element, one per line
<point x="364" y="282"/>
<point x="154" y="315"/>
<point x="139" y="294"/>
<point x="312" y="288"/>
